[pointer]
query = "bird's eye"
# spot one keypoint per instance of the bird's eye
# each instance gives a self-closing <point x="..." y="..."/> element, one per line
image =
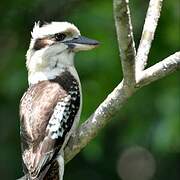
<point x="60" y="36"/>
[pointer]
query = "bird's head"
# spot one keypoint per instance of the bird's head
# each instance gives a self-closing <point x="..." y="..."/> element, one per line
<point x="52" y="41"/>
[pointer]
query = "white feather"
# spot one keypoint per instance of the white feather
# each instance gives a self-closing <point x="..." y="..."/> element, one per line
<point x="52" y="28"/>
<point x="44" y="67"/>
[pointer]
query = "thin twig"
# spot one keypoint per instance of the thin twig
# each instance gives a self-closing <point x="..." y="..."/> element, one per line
<point x="147" y="37"/>
<point x="159" y="70"/>
<point x="125" y="40"/>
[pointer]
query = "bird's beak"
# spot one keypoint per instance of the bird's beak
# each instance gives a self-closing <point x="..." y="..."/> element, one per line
<point x="81" y="43"/>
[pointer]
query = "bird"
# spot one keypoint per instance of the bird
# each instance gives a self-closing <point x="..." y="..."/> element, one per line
<point x="51" y="106"/>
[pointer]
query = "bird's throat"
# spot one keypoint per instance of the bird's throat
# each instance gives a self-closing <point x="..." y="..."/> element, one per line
<point x="49" y="68"/>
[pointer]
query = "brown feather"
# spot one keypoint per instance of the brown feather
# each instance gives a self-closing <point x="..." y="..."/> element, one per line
<point x="36" y="108"/>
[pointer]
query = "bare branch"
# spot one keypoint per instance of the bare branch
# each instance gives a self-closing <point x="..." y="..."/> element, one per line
<point x="147" y="37"/>
<point x="97" y="121"/>
<point x="159" y="70"/>
<point x="125" y="40"/>
<point x="89" y="129"/>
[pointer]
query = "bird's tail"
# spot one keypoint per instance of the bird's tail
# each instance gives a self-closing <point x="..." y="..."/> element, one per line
<point x="60" y="160"/>
<point x="55" y="171"/>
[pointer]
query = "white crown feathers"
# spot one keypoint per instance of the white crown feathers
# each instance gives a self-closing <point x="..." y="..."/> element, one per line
<point x="52" y="28"/>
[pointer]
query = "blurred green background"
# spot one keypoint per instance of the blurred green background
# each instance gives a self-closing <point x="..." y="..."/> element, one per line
<point x="149" y="124"/>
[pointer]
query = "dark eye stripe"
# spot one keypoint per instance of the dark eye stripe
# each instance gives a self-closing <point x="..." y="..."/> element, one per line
<point x="40" y="43"/>
<point x="43" y="42"/>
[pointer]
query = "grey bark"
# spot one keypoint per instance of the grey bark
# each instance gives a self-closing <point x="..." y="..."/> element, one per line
<point x="133" y="66"/>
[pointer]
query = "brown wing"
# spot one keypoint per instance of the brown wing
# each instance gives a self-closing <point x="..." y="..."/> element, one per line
<point x="47" y="113"/>
<point x="36" y="109"/>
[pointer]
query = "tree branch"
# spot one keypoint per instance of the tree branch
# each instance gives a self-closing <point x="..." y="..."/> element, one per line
<point x="89" y="129"/>
<point x="159" y="70"/>
<point x="125" y="40"/>
<point x="147" y="37"/>
<point x="107" y="109"/>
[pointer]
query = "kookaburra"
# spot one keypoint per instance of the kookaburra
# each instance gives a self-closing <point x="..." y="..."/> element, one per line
<point x="50" y="108"/>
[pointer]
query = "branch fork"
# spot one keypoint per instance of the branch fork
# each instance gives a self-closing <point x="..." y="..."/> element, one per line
<point x="134" y="72"/>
